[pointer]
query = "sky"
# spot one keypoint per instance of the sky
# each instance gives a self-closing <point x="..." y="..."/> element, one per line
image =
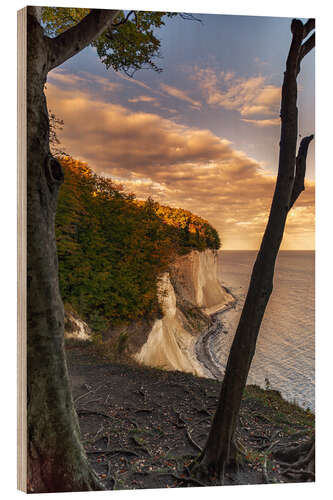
<point x="204" y="133"/>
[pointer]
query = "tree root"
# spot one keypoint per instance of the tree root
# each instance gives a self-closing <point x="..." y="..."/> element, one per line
<point x="269" y="449"/>
<point x="143" y="410"/>
<point x="91" y="412"/>
<point x="302" y="463"/>
<point x="202" y="410"/>
<point x="264" y="471"/>
<point x="124" y="451"/>
<point x="185" y="479"/>
<point x="191" y="440"/>
<point x="140" y="445"/>
<point x="293" y="453"/>
<point x="91" y="391"/>
<point x="305" y="474"/>
<point x="109" y="476"/>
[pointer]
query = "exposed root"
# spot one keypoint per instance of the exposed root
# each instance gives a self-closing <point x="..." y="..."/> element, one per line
<point x="143" y="410"/>
<point x="269" y="449"/>
<point x="185" y="479"/>
<point x="302" y="463"/>
<point x="264" y="471"/>
<point x="123" y="451"/>
<point x="293" y="453"/>
<point x="191" y="440"/>
<point x="140" y="445"/>
<point x="90" y="412"/>
<point x="300" y="474"/>
<point x="109" y="475"/>
<point x="90" y="391"/>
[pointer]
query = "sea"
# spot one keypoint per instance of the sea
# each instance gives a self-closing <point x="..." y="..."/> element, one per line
<point x="285" y="354"/>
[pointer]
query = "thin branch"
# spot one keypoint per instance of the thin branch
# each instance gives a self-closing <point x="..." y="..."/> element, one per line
<point x="308" y="45"/>
<point x="309" y="26"/>
<point x="189" y="17"/>
<point x="305" y="49"/>
<point x="124" y="20"/>
<point x="300" y="169"/>
<point x="76" y="38"/>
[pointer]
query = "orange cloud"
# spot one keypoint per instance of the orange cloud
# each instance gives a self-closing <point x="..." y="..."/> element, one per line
<point x="263" y="123"/>
<point x="179" y="94"/>
<point x="252" y="96"/>
<point x="179" y="166"/>
<point x="142" y="98"/>
<point x="81" y="80"/>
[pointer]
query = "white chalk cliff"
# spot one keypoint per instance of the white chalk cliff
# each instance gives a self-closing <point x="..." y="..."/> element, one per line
<point x="76" y="328"/>
<point x="170" y="344"/>
<point x="196" y="280"/>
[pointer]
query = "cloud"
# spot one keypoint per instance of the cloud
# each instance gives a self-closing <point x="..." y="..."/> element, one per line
<point x="142" y="98"/>
<point x="133" y="81"/>
<point x="263" y="123"/>
<point x="251" y="96"/>
<point x="179" y="94"/>
<point x="177" y="165"/>
<point x="81" y="80"/>
<point x="105" y="83"/>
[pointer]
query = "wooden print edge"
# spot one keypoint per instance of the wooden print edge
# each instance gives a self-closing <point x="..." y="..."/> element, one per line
<point x="21" y="251"/>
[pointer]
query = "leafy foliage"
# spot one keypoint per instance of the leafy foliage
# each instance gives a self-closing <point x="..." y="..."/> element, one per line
<point x="56" y="20"/>
<point x="55" y="124"/>
<point x="130" y="44"/>
<point x="112" y="247"/>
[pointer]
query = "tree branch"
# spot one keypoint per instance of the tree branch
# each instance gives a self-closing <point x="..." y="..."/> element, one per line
<point x="297" y="28"/>
<point x="124" y="20"/>
<point x="308" y="27"/>
<point x="307" y="46"/>
<point x="111" y="29"/>
<point x="300" y="169"/>
<point x="189" y="17"/>
<point x="73" y="40"/>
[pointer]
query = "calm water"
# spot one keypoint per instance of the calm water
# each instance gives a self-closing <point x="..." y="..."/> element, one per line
<point x="285" y="351"/>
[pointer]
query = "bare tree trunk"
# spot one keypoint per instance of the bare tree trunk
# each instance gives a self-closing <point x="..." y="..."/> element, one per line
<point x="220" y="449"/>
<point x="56" y="457"/>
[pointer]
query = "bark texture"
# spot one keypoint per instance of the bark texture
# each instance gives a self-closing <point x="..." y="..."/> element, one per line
<point x="220" y="450"/>
<point x="56" y="458"/>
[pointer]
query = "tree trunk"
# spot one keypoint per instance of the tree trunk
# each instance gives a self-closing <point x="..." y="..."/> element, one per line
<point x="56" y="458"/>
<point x="220" y="449"/>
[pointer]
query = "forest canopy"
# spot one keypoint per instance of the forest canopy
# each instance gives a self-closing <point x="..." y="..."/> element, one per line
<point x="112" y="247"/>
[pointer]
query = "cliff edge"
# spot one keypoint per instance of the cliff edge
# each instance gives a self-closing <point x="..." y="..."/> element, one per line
<point x="187" y="294"/>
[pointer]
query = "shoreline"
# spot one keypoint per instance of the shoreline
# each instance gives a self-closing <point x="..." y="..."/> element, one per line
<point x="212" y="350"/>
<point x="202" y="349"/>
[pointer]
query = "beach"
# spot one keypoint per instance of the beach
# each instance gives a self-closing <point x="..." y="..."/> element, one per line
<point x="284" y="358"/>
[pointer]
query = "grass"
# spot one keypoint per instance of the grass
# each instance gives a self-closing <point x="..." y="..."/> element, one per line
<point x="278" y="410"/>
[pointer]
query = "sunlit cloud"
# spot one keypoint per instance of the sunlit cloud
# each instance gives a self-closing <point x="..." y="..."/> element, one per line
<point x="179" y="94"/>
<point x="81" y="80"/>
<point x="248" y="96"/>
<point x="142" y="98"/>
<point x="178" y="165"/>
<point x="273" y="122"/>
<point x="133" y="81"/>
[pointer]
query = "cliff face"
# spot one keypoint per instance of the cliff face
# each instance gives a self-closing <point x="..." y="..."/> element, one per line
<point x="195" y="279"/>
<point x="75" y="327"/>
<point x="187" y="295"/>
<point x="169" y="345"/>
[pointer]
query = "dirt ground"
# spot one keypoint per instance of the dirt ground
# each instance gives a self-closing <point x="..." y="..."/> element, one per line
<point x="142" y="428"/>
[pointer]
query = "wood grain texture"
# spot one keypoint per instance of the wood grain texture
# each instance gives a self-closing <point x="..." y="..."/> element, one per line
<point x="21" y="250"/>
